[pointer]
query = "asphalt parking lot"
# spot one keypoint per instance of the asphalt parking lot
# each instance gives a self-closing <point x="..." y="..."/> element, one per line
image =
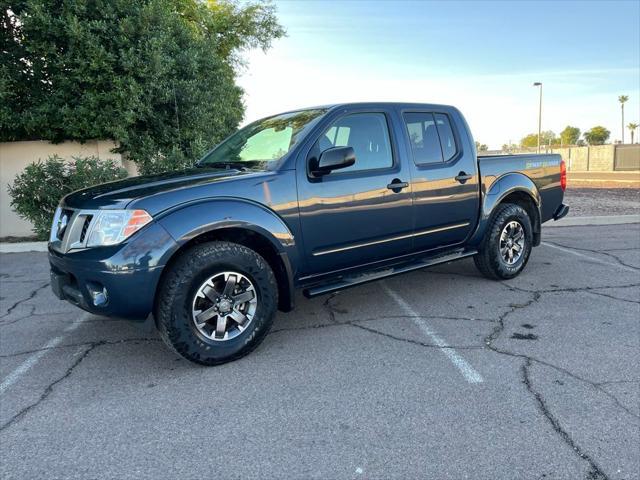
<point x="436" y="374"/>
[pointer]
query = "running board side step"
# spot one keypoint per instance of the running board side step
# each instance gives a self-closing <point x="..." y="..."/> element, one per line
<point x="373" y="275"/>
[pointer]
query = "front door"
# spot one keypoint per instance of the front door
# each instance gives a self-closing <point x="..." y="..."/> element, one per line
<point x="358" y="214"/>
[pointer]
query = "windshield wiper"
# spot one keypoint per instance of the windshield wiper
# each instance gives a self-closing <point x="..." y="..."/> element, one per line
<point x="237" y="164"/>
<point x="228" y="165"/>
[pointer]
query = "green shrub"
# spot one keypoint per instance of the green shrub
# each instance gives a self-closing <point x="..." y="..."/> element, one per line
<point x="36" y="192"/>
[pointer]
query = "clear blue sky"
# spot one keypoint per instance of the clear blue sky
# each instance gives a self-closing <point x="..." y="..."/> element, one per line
<point x="480" y="56"/>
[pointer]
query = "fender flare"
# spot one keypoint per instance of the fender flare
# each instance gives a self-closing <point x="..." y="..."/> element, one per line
<point x="501" y="188"/>
<point x="187" y="221"/>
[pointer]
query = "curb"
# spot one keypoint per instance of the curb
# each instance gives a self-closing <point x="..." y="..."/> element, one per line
<point x="604" y="180"/>
<point x="565" y="222"/>
<point x="599" y="220"/>
<point x="20" y="247"/>
<point x="604" y="184"/>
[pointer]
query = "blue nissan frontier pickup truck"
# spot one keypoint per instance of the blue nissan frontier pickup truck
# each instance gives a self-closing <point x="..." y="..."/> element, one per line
<point x="318" y="199"/>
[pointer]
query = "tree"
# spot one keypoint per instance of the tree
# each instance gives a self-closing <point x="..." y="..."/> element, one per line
<point x="157" y="76"/>
<point x="597" y="135"/>
<point x="632" y="128"/>
<point x="546" y="138"/>
<point x="481" y="147"/>
<point x="623" y="99"/>
<point x="570" y="135"/>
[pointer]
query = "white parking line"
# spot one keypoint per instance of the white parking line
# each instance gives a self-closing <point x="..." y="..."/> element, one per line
<point x="593" y="259"/>
<point x="25" y="366"/>
<point x="469" y="373"/>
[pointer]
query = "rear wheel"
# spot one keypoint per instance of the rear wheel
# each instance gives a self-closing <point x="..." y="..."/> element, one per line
<point x="506" y="246"/>
<point x="217" y="303"/>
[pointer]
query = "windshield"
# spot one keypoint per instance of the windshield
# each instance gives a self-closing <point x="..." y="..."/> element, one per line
<point x="263" y="142"/>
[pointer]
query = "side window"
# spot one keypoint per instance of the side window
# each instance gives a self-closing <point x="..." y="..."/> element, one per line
<point x="423" y="136"/>
<point x="367" y="134"/>
<point x="447" y="140"/>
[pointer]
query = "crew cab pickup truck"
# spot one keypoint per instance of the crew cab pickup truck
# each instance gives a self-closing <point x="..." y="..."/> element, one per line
<point x="318" y="199"/>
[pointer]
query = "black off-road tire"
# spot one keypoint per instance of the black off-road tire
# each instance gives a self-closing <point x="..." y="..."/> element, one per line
<point x="173" y="310"/>
<point x="489" y="260"/>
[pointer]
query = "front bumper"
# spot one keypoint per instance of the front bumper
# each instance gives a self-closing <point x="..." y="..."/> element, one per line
<point x="117" y="281"/>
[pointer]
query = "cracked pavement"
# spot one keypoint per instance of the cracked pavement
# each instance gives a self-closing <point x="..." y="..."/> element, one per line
<point x="348" y="385"/>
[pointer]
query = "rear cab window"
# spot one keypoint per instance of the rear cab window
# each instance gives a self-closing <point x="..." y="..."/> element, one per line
<point x="447" y="139"/>
<point x="430" y="136"/>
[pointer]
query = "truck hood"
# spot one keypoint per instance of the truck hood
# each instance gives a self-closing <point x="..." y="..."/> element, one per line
<point x="120" y="193"/>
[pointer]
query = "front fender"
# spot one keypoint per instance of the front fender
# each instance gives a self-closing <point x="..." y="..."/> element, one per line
<point x="497" y="192"/>
<point x="188" y="221"/>
<point x="184" y="223"/>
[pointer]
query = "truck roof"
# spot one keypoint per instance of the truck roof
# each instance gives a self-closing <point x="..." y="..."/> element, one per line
<point x="407" y="105"/>
<point x="393" y="104"/>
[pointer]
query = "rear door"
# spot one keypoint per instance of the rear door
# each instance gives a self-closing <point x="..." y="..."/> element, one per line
<point x="354" y="216"/>
<point x="445" y="180"/>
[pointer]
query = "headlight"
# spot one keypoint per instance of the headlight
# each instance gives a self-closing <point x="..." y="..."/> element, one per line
<point x="56" y="227"/>
<point x="114" y="226"/>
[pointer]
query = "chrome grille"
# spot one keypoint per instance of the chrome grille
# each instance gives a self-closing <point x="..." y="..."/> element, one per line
<point x="85" y="227"/>
<point x="70" y="228"/>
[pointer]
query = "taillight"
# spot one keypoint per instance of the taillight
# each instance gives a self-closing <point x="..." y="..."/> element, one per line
<point x="563" y="175"/>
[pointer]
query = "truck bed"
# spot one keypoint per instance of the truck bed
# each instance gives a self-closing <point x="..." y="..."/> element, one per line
<point x="543" y="170"/>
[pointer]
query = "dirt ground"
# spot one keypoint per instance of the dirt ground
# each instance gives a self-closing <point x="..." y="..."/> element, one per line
<point x="587" y="202"/>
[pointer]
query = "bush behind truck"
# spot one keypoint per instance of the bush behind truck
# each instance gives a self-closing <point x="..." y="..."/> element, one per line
<point x="36" y="191"/>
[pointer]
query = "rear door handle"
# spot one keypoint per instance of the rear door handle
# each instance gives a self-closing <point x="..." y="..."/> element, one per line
<point x="463" y="177"/>
<point x="396" y="185"/>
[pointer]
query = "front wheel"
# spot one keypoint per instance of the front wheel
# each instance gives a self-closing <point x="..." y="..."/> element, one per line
<point x="506" y="246"/>
<point x="217" y="303"/>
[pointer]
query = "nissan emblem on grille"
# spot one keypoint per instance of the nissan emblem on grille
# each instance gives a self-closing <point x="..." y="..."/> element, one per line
<point x="62" y="225"/>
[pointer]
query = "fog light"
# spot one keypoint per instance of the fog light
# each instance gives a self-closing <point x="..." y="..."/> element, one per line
<point x="98" y="294"/>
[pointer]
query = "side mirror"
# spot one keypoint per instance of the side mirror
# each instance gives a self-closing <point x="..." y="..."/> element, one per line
<point x="334" y="159"/>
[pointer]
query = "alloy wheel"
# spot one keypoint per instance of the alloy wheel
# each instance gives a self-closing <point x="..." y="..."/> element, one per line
<point x="512" y="242"/>
<point x="224" y="306"/>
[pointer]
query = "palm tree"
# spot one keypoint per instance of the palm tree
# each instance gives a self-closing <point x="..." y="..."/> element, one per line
<point x="632" y="128"/>
<point x="622" y="99"/>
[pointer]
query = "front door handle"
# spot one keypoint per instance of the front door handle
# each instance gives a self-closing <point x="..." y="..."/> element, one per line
<point x="396" y="185"/>
<point x="463" y="177"/>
